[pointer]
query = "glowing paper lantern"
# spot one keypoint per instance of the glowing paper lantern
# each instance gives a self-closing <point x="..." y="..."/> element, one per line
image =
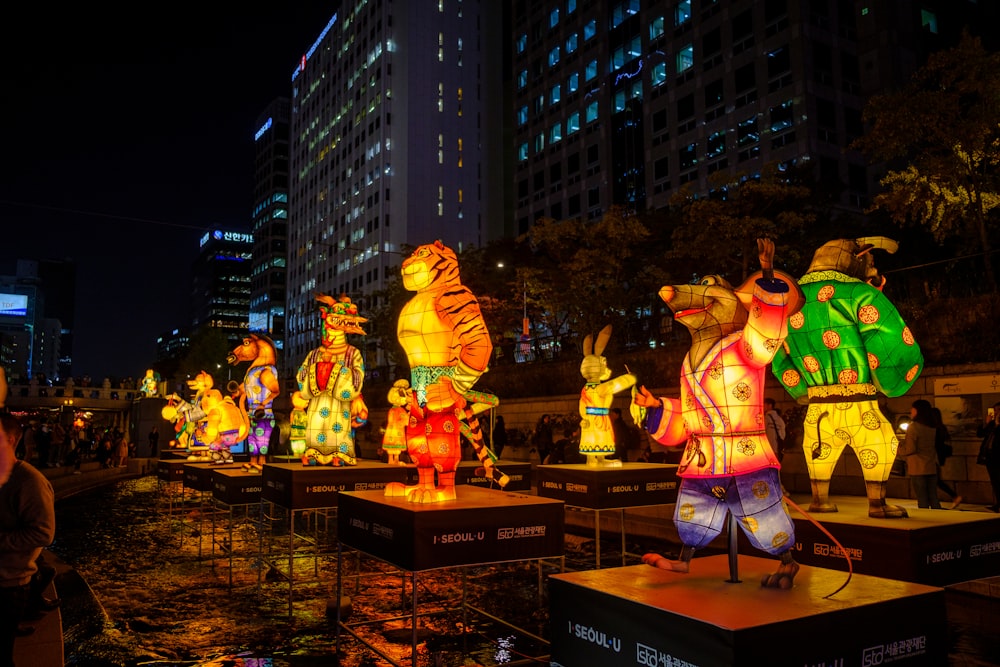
<point x="260" y="387"/>
<point x="218" y="422"/>
<point x="394" y="438"/>
<point x="442" y="331"/>
<point x="150" y="385"/>
<point x="847" y="344"/>
<point x="597" y="438"/>
<point x="727" y="464"/>
<point x="330" y="379"/>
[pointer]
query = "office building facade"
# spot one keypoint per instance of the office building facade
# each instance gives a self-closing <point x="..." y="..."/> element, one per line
<point x="220" y="294"/>
<point x="396" y="141"/>
<point x="268" y="281"/>
<point x="623" y="102"/>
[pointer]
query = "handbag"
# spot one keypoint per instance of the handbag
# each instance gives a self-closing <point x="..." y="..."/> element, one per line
<point x="898" y="468"/>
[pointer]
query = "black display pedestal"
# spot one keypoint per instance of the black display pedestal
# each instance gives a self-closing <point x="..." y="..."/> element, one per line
<point x="600" y="488"/>
<point x="934" y="547"/>
<point x="641" y="615"/>
<point x="480" y="527"/>
<point x="519" y="473"/>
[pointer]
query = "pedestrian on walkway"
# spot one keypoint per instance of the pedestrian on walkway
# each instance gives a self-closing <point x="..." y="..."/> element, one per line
<point x="27" y="525"/>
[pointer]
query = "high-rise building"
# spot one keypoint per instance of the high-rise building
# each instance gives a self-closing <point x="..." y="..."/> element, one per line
<point x="396" y="140"/>
<point x="624" y="102"/>
<point x="33" y="300"/>
<point x="220" y="295"/>
<point x="270" y="223"/>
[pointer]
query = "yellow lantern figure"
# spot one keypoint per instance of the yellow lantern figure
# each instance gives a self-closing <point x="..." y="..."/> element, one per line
<point x="448" y="347"/>
<point x="218" y="422"/>
<point x="597" y="439"/>
<point x="150" y="386"/>
<point x="394" y="438"/>
<point x="727" y="465"/>
<point x="330" y="381"/>
<point x="848" y="343"/>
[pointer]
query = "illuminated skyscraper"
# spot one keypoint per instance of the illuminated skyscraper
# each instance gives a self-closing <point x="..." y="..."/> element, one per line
<point x="396" y="139"/>
<point x="270" y="223"/>
<point x="220" y="295"/>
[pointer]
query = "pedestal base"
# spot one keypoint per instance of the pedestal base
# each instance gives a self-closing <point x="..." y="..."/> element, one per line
<point x="934" y="547"/>
<point x="295" y="486"/>
<point x="632" y="485"/>
<point x="481" y="526"/>
<point x="641" y="615"/>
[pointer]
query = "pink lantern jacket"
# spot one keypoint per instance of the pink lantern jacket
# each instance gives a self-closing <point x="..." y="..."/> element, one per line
<point x="720" y="412"/>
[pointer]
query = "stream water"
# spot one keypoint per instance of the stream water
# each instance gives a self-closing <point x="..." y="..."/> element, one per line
<point x="152" y="587"/>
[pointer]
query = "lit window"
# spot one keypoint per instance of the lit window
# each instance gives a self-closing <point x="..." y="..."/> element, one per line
<point x="746" y="131"/>
<point x="656" y="27"/>
<point x="591" y="71"/>
<point x="590" y="29"/>
<point x="571" y="43"/>
<point x="682" y="13"/>
<point x="539" y="142"/>
<point x="522" y="152"/>
<point x="440" y="156"/>
<point x="622" y="11"/>
<point x="928" y="21"/>
<point x="554" y="56"/>
<point x="554" y="18"/>
<point x="522" y="115"/>
<point x="440" y="55"/>
<point x="689" y="156"/>
<point x="555" y="133"/>
<point x="659" y="74"/>
<point x="573" y="123"/>
<point x="715" y="145"/>
<point x="573" y="83"/>
<point x="685" y="58"/>
<point x="619" y="101"/>
<point x="555" y="96"/>
<point x="591" y="114"/>
<point x="522" y="79"/>
<point x="781" y="116"/>
<point x="570" y="6"/>
<point x="522" y="42"/>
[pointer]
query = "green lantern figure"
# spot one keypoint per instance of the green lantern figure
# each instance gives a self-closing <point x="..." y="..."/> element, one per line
<point x="847" y="344"/>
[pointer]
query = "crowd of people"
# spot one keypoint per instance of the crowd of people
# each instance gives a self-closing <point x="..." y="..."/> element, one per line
<point x="50" y="444"/>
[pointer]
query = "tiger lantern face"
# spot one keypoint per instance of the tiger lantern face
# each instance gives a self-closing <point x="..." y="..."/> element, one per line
<point x="430" y="264"/>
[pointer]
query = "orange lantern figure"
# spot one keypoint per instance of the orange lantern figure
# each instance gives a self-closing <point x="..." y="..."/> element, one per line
<point x="394" y="438"/>
<point x="848" y="343"/>
<point x="728" y="465"/>
<point x="448" y="347"/>
<point x="330" y="381"/>
<point x="257" y="393"/>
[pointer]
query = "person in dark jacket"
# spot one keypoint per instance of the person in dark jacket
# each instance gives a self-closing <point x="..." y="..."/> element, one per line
<point x="27" y="525"/>
<point x="989" y="452"/>
<point x="921" y="456"/>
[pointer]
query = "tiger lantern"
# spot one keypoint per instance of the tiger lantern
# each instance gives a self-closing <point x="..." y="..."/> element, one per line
<point x="448" y="347"/>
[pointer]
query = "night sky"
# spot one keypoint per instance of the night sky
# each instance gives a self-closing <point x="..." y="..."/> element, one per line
<point x="127" y="134"/>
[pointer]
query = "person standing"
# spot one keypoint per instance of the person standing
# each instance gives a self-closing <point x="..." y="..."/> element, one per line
<point x="943" y="447"/>
<point x="541" y="440"/>
<point x="774" y="426"/>
<point x="154" y="442"/>
<point x="989" y="453"/>
<point x="27" y="525"/>
<point x="498" y="436"/>
<point x="921" y="457"/>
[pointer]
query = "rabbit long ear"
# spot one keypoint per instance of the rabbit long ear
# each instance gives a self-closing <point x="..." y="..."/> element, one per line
<point x="602" y="340"/>
<point x="588" y="345"/>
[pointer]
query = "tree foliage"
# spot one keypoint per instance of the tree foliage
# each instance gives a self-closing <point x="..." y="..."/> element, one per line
<point x="940" y="135"/>
<point x="718" y="233"/>
<point x="583" y="275"/>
